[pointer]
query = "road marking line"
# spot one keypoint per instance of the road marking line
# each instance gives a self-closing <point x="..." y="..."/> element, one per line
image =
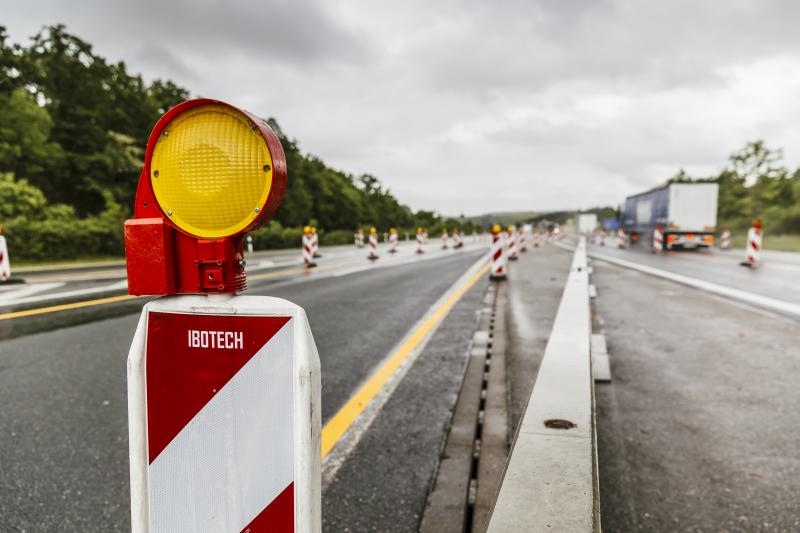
<point x="338" y="425"/>
<point x="758" y="300"/>
<point x="65" y="307"/>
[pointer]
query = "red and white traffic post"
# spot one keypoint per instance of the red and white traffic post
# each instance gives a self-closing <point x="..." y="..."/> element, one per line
<point x="359" y="238"/>
<point x="393" y="240"/>
<point x="498" y="257"/>
<point x="622" y="239"/>
<point x="223" y="389"/>
<point x="373" y="244"/>
<point x="5" y="262"/>
<point x="445" y="239"/>
<point x="725" y="239"/>
<point x="458" y="239"/>
<point x="755" y="236"/>
<point x="308" y="248"/>
<point x="523" y="244"/>
<point x="658" y="239"/>
<point x="420" y="241"/>
<point x="512" y="244"/>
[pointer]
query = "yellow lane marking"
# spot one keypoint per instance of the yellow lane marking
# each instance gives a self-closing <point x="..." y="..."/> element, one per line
<point x="341" y="421"/>
<point x="65" y="307"/>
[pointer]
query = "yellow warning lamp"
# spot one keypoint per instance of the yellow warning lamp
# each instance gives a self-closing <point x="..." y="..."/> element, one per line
<point x="392" y="230"/>
<point x="511" y="229"/>
<point x="373" y="231"/>
<point x="212" y="172"/>
<point x="306" y="229"/>
<point x="496" y="228"/>
<point x="313" y="230"/>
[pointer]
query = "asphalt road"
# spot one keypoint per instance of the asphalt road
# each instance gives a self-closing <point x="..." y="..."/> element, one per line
<point x="699" y="429"/>
<point x="63" y="448"/>
<point x="777" y="277"/>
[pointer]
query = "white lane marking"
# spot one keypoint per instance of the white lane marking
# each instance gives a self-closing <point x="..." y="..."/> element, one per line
<point x="28" y="290"/>
<point x="123" y="284"/>
<point x="774" y="304"/>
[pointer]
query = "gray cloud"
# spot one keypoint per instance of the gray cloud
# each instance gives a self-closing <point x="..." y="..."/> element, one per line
<point x="478" y="106"/>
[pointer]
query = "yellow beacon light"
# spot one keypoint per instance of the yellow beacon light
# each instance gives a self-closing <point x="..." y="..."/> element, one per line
<point x="211" y="171"/>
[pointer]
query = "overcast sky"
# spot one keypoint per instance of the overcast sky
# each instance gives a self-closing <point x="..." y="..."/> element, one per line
<point x="476" y="106"/>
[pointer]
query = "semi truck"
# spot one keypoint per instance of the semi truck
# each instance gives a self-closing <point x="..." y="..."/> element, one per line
<point x="686" y="213"/>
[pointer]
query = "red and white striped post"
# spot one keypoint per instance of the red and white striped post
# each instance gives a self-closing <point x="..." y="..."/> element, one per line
<point x="602" y="237"/>
<point x="754" y="239"/>
<point x="358" y="236"/>
<point x="523" y="244"/>
<point x="308" y="248"/>
<point x="315" y="243"/>
<point x="725" y="239"/>
<point x="5" y="263"/>
<point x="393" y="240"/>
<point x="420" y="241"/>
<point x="658" y="239"/>
<point x="512" y="244"/>
<point x="535" y="238"/>
<point x="425" y="236"/>
<point x="458" y="240"/>
<point x="373" y="244"/>
<point x="499" y="267"/>
<point x="445" y="239"/>
<point x="622" y="239"/>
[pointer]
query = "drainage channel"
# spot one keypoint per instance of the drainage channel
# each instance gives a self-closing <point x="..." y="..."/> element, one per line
<point x="477" y="445"/>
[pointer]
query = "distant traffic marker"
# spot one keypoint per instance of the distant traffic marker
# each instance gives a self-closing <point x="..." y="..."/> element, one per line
<point x="498" y="270"/>
<point x="5" y="263"/>
<point x="373" y="244"/>
<point x="512" y="243"/>
<point x="754" y="240"/>
<point x="308" y="248"/>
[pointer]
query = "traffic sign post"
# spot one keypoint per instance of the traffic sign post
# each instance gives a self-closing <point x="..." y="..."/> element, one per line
<point x="223" y="389"/>
<point x="5" y="262"/>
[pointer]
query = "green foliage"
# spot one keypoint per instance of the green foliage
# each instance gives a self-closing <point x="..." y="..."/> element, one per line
<point x="755" y="185"/>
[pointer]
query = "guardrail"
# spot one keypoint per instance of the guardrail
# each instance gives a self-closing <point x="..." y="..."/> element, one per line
<point x="550" y="482"/>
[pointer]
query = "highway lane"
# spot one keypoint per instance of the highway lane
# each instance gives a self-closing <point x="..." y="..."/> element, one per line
<point x="63" y="448"/>
<point x="698" y="430"/>
<point x="778" y="277"/>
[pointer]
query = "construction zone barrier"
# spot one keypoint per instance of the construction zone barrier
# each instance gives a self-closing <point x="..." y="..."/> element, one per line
<point x="445" y="240"/>
<point x="499" y="266"/>
<point x="622" y="239"/>
<point x="458" y="240"/>
<point x="315" y="243"/>
<point x="512" y="244"/>
<point x="393" y="241"/>
<point x="308" y="248"/>
<point x="358" y="237"/>
<point x="373" y="244"/>
<point x="754" y="240"/>
<point x="5" y="263"/>
<point x="658" y="240"/>
<point x="420" y="241"/>
<point x="725" y="240"/>
<point x="550" y="481"/>
<point x="523" y="244"/>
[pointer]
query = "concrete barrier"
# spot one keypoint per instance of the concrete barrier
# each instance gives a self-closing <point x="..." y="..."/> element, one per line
<point x="550" y="482"/>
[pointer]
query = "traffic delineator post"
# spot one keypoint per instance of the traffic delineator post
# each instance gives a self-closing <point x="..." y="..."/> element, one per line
<point x="523" y="244"/>
<point x="5" y="262"/>
<point x="658" y="239"/>
<point x="358" y="236"/>
<point x="512" y="243"/>
<point x="499" y="266"/>
<point x="445" y="239"/>
<point x="420" y="241"/>
<point x="373" y="244"/>
<point x="223" y="390"/>
<point x="725" y="239"/>
<point x="393" y="240"/>
<point x="755" y="237"/>
<point x="535" y="238"/>
<point x="622" y="239"/>
<point x="458" y="239"/>
<point x="308" y="248"/>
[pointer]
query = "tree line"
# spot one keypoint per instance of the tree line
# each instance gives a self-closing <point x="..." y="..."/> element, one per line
<point x="73" y="128"/>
